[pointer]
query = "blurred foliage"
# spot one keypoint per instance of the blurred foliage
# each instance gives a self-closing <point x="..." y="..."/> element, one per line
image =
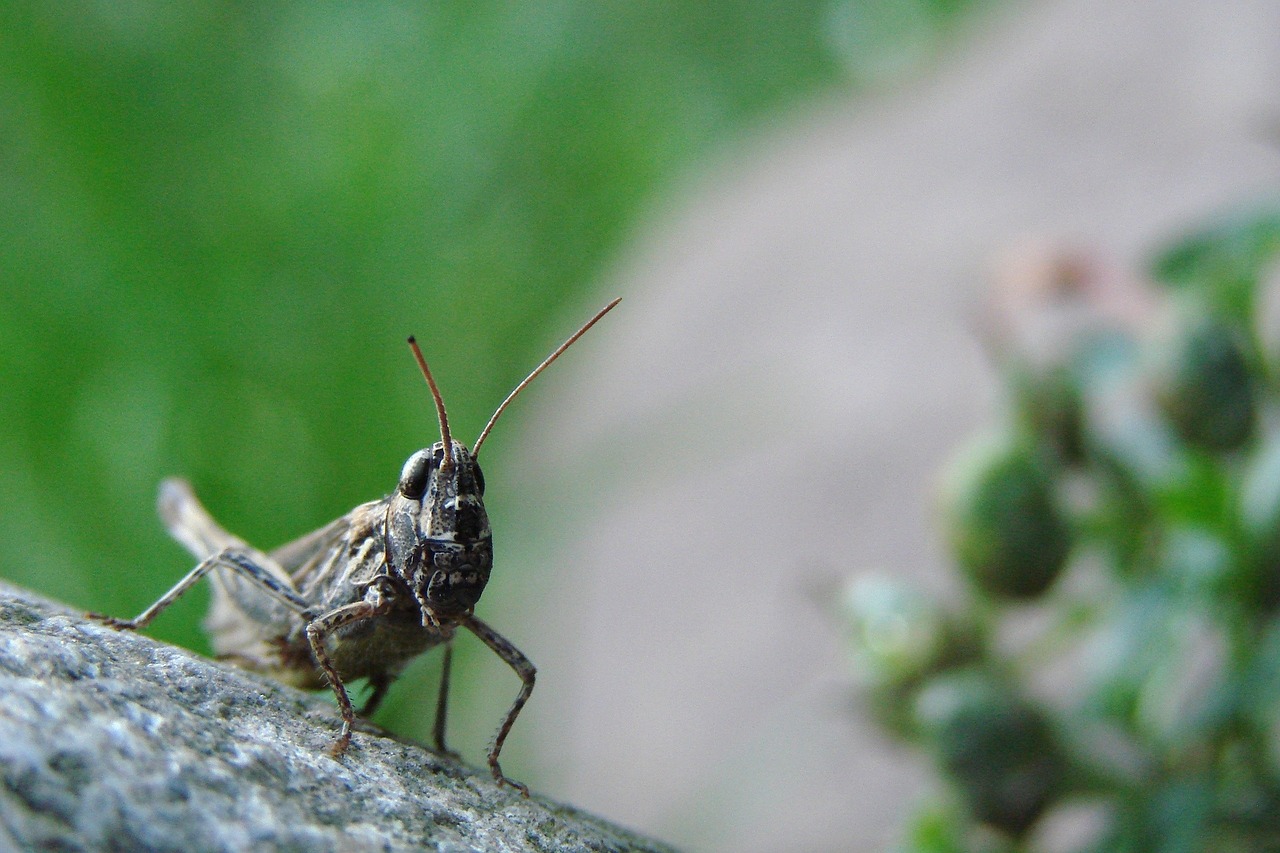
<point x="1117" y="686"/>
<point x="219" y="221"/>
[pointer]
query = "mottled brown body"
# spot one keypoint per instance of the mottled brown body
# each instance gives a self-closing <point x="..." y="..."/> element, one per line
<point x="365" y="594"/>
<point x="332" y="567"/>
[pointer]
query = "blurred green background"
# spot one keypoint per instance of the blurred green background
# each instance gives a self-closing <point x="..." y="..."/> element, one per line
<point x="219" y="221"/>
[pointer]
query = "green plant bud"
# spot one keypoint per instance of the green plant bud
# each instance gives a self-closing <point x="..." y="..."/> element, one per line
<point x="1125" y="438"/>
<point x="1260" y="521"/>
<point x="889" y="703"/>
<point x="997" y="748"/>
<point x="893" y="629"/>
<point x="945" y="827"/>
<point x="1005" y="526"/>
<point x="897" y="638"/>
<point x="1204" y="387"/>
<point x="1157" y="663"/>
<point x="1051" y="404"/>
<point x="1223" y="262"/>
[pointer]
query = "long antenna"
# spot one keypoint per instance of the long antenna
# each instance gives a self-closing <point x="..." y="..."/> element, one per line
<point x="435" y="393"/>
<point x="475" y="451"/>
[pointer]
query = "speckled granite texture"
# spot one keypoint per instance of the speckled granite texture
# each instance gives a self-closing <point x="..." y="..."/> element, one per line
<point x="112" y="741"/>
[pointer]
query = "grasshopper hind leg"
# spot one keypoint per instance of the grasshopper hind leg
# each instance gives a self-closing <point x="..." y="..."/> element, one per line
<point x="229" y="559"/>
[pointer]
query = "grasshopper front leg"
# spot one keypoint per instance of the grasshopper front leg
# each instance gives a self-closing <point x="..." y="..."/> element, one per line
<point x="523" y="668"/>
<point x="318" y="629"/>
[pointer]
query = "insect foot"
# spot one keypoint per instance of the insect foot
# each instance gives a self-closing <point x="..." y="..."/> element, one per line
<point x="339" y="747"/>
<point x="366" y="593"/>
<point x="113" y="622"/>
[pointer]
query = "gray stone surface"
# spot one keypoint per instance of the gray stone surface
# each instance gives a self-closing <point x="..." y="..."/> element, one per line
<point x="112" y="741"/>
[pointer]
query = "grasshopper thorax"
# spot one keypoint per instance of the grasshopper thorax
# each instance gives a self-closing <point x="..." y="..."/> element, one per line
<point x="439" y="543"/>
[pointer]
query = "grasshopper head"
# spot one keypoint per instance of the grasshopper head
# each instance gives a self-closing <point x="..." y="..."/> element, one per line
<point x="439" y="539"/>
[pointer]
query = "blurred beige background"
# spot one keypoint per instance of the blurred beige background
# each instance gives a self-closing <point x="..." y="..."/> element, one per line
<point x="793" y="360"/>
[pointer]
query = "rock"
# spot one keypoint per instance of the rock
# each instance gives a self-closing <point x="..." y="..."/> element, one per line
<point x="113" y="741"/>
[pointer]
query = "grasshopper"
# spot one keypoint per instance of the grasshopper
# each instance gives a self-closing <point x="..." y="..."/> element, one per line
<point x="365" y="594"/>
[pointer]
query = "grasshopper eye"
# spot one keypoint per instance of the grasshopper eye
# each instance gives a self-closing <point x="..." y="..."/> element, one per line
<point x="479" y="477"/>
<point x="413" y="479"/>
